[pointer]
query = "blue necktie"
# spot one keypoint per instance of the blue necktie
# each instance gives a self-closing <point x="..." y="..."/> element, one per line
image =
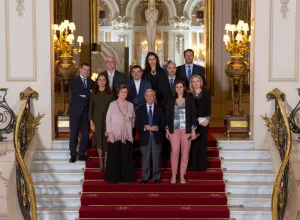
<point x="150" y="116"/>
<point x="84" y="83"/>
<point x="189" y="73"/>
<point x="171" y="83"/>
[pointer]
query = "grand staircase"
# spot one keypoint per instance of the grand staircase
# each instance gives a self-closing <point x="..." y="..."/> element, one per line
<point x="63" y="189"/>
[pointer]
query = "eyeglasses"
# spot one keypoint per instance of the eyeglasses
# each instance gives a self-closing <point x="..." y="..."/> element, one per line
<point x="110" y="62"/>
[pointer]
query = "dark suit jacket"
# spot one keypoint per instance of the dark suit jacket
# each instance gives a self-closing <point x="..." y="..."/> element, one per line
<point x="190" y="114"/>
<point x="138" y="99"/>
<point x="141" y="119"/>
<point x="164" y="92"/>
<point x="78" y="103"/>
<point x="119" y="78"/>
<point x="197" y="70"/>
<point x="154" y="80"/>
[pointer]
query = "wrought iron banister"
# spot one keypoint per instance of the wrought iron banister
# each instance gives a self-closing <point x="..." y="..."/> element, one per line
<point x="25" y="128"/>
<point x="278" y="126"/>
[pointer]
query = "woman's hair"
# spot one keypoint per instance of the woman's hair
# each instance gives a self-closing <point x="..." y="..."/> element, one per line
<point x="122" y="86"/>
<point x="96" y="87"/>
<point x="192" y="90"/>
<point x="185" y="92"/>
<point x="147" y="65"/>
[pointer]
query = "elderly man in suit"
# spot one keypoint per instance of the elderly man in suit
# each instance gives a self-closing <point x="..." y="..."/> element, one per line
<point x="115" y="78"/>
<point x="150" y="121"/>
<point x="137" y="87"/>
<point x="80" y="88"/>
<point x="187" y="70"/>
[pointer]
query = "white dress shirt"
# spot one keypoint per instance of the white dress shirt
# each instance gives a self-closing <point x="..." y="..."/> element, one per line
<point x="137" y="85"/>
<point x="156" y="128"/>
<point x="111" y="78"/>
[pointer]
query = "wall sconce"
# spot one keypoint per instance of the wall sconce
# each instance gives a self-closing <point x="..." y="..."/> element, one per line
<point x="200" y="17"/>
<point x="101" y="17"/>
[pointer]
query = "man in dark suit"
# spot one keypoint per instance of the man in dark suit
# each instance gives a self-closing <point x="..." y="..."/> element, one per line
<point x="80" y="88"/>
<point x="137" y="87"/>
<point x="150" y="122"/>
<point x="185" y="71"/>
<point x="115" y="78"/>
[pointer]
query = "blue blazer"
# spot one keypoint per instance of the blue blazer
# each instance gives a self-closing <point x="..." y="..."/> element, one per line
<point x="79" y="103"/>
<point x="197" y="70"/>
<point x="137" y="99"/>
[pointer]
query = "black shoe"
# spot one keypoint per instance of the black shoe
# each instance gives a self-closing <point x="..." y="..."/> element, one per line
<point x="144" y="181"/>
<point x="157" y="181"/>
<point x="72" y="159"/>
<point x="83" y="158"/>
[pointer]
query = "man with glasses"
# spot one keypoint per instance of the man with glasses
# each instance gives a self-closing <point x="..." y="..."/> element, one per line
<point x="115" y="78"/>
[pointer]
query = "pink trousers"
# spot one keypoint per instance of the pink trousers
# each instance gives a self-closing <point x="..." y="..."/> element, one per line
<point x="179" y="137"/>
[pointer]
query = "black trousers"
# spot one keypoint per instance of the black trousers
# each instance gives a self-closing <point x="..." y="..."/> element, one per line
<point x="75" y="123"/>
<point x="120" y="164"/>
<point x="198" y="152"/>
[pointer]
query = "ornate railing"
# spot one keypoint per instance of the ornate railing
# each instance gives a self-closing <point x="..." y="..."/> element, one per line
<point x="25" y="128"/>
<point x="278" y="126"/>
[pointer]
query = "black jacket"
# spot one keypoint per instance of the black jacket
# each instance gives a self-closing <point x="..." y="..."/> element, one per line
<point x="164" y="92"/>
<point x="141" y="119"/>
<point x="79" y="103"/>
<point x="190" y="114"/>
<point x="119" y="78"/>
<point x="197" y="70"/>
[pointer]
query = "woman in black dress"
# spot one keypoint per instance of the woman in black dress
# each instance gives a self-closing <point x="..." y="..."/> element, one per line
<point x="198" y="157"/>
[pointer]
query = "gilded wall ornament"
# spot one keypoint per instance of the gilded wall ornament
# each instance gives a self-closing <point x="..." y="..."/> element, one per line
<point x="20" y="7"/>
<point x="284" y="8"/>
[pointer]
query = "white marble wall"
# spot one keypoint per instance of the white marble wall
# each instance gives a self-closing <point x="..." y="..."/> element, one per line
<point x="275" y="60"/>
<point x="26" y="57"/>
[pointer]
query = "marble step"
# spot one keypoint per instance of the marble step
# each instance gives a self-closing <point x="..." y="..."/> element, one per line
<point x="250" y="201"/>
<point x="78" y="175"/>
<point x="247" y="201"/>
<point x="250" y="213"/>
<point x="57" y="165"/>
<point x="64" y="154"/>
<point x="239" y="164"/>
<point x="57" y="175"/>
<point x="61" y="213"/>
<point x="249" y="188"/>
<point x="70" y="187"/>
<point x="245" y="154"/>
<point x="50" y="200"/>
<point x="238" y="143"/>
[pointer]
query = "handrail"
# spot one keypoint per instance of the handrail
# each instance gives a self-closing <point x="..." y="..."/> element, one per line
<point x="25" y="128"/>
<point x="279" y="128"/>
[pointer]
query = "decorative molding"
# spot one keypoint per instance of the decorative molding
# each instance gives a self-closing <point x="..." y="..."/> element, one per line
<point x="7" y="45"/>
<point x="5" y="180"/>
<point x="20" y="7"/>
<point x="284" y="8"/>
<point x="297" y="44"/>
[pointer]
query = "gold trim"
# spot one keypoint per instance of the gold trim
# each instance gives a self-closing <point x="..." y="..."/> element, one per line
<point x="279" y="96"/>
<point x="27" y="94"/>
<point x="152" y="192"/>
<point x="94" y="20"/>
<point x="209" y="24"/>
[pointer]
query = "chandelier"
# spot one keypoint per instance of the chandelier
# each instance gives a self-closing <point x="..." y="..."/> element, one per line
<point x="122" y="23"/>
<point x="64" y="39"/>
<point x="180" y="23"/>
<point x="237" y="43"/>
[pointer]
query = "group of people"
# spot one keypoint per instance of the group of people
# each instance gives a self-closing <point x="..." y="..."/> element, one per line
<point x="169" y="109"/>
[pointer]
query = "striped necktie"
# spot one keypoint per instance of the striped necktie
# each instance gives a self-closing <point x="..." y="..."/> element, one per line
<point x="171" y="83"/>
<point x="189" y="73"/>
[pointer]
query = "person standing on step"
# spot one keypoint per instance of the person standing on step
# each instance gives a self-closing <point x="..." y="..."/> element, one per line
<point x="115" y="78"/>
<point x="119" y="122"/>
<point x="80" y="89"/>
<point x="150" y="123"/>
<point x="100" y="99"/>
<point x="187" y="70"/>
<point x="181" y="128"/>
<point x="198" y="157"/>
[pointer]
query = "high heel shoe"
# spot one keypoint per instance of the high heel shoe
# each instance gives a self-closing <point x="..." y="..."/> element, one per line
<point x="173" y="180"/>
<point x="101" y="168"/>
<point x="183" y="180"/>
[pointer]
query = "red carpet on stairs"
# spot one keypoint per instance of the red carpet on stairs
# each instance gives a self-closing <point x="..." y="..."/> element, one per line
<point x="203" y="197"/>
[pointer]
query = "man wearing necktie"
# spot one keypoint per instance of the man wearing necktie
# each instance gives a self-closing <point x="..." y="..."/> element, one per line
<point x="150" y="122"/>
<point x="80" y="88"/>
<point x="187" y="70"/>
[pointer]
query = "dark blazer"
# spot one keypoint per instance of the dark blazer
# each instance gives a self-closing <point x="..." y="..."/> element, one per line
<point x="141" y="119"/>
<point x="137" y="99"/>
<point x="203" y="104"/>
<point x="197" y="70"/>
<point x="164" y="92"/>
<point x="78" y="103"/>
<point x="190" y="114"/>
<point x="154" y="80"/>
<point x="119" y="78"/>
